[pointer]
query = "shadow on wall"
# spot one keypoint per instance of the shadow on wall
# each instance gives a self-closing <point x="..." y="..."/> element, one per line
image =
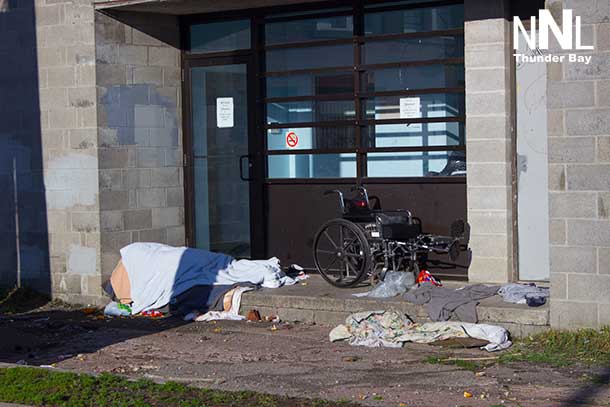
<point x="24" y="245"/>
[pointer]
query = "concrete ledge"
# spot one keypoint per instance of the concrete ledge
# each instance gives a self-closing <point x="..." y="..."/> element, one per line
<point x="323" y="304"/>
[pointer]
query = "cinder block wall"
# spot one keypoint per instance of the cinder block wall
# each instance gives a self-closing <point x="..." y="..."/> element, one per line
<point x="140" y="154"/>
<point x="48" y="146"/>
<point x="489" y="145"/>
<point x="579" y="173"/>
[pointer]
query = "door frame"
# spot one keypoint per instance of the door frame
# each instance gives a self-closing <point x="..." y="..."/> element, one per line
<point x="255" y="149"/>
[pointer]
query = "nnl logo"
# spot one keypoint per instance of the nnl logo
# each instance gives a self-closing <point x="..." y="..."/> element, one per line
<point x="564" y="36"/>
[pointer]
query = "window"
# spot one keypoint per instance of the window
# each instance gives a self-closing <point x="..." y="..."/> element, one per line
<point x="383" y="98"/>
<point x="221" y="36"/>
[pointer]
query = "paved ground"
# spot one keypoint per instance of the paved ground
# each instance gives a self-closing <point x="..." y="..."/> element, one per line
<point x="295" y="360"/>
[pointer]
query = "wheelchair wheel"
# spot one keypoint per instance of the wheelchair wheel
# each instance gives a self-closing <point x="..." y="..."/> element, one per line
<point x="341" y="253"/>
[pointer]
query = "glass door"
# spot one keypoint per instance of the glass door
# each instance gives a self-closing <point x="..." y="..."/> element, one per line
<point x="221" y="167"/>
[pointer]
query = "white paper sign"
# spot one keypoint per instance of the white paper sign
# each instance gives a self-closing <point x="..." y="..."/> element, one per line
<point x="224" y="112"/>
<point x="410" y="108"/>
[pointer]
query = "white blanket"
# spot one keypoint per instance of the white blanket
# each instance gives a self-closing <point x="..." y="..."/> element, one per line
<point x="158" y="272"/>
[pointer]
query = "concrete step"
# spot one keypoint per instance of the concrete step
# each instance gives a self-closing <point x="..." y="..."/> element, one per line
<point x="320" y="303"/>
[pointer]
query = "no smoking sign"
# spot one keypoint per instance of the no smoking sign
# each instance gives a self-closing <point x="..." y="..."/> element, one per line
<point x="292" y="140"/>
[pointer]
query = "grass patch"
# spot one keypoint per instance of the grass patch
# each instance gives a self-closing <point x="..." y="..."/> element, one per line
<point x="47" y="388"/>
<point x="462" y="364"/>
<point x="563" y="348"/>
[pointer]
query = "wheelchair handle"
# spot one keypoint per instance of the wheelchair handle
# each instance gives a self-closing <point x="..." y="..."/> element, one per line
<point x="364" y="193"/>
<point x="341" y="201"/>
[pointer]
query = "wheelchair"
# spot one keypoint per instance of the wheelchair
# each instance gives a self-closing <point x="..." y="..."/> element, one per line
<point x="366" y="242"/>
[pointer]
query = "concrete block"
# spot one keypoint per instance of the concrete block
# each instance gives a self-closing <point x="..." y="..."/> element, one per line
<point x="590" y="11"/>
<point x="591" y="288"/>
<point x="133" y="55"/>
<point x="49" y="15"/>
<point x="489" y="270"/>
<point x="61" y="77"/>
<point x="486" y="127"/>
<point x="176" y="236"/>
<point x="571" y="149"/>
<point x="486" y="31"/>
<point x="86" y="75"/>
<point x="111" y="179"/>
<point x="66" y="283"/>
<point x="557" y="231"/>
<point x="153" y="235"/>
<point x="85" y="222"/>
<point x="163" y="137"/>
<point x="148" y="75"/>
<point x="603" y="37"/>
<point x="488" y="222"/>
<point x="111" y="75"/>
<point x="603" y="149"/>
<point x="555" y="123"/>
<point x="488" y="175"/>
<point x="136" y="178"/>
<point x="173" y="157"/>
<point x="603" y="205"/>
<point x="175" y="196"/>
<point x="565" y="259"/>
<point x="141" y="38"/>
<point x="494" y="198"/>
<point x="573" y="204"/>
<point x="109" y="261"/>
<point x="588" y="122"/>
<point x="165" y="177"/>
<point x="603" y="93"/>
<point x="486" y="55"/>
<point x="603" y="316"/>
<point x="172" y="76"/>
<point x="603" y="259"/>
<point x="489" y="245"/>
<point x="111" y="221"/>
<point x="112" y="242"/>
<point x="588" y="177"/>
<point x="112" y="158"/>
<point x="589" y="232"/>
<point x="487" y="151"/>
<point x="114" y="200"/>
<point x="150" y="157"/>
<point x="570" y="94"/>
<point x="557" y="178"/>
<point x="53" y="98"/>
<point x="82" y="139"/>
<point x="487" y="103"/>
<point x="149" y="116"/>
<point x="107" y="53"/>
<point x="82" y="97"/>
<point x="163" y="56"/>
<point x="164" y="217"/>
<point x="81" y="54"/>
<point x="82" y="260"/>
<point x="137" y="219"/>
<point x="598" y="68"/>
<point x="559" y="286"/>
<point x="486" y="79"/>
<point x="62" y="118"/>
<point x="573" y="315"/>
<point x="151" y="198"/>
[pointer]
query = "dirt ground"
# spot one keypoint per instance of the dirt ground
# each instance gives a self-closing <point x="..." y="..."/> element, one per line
<point x="294" y="359"/>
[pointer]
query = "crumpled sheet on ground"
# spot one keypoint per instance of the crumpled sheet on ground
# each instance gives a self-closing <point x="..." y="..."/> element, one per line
<point x="232" y="313"/>
<point x="393" y="329"/>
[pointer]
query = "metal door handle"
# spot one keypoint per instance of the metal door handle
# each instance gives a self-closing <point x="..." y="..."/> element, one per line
<point x="241" y="167"/>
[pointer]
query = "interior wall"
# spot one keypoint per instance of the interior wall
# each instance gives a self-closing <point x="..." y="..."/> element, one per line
<point x="138" y="75"/>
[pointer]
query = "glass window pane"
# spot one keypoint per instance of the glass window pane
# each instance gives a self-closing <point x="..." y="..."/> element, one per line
<point x="306" y="138"/>
<point x="310" y="29"/>
<point x="413" y="77"/>
<point x="416" y="134"/>
<point x="310" y="57"/>
<point x="430" y="105"/>
<point x="312" y="165"/>
<point x="310" y="84"/>
<point x="415" y="20"/>
<point x="413" y="49"/>
<point x="221" y="36"/>
<point x="416" y="164"/>
<point x="310" y="111"/>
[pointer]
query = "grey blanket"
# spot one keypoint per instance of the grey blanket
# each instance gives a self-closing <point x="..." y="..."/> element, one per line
<point x="445" y="303"/>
